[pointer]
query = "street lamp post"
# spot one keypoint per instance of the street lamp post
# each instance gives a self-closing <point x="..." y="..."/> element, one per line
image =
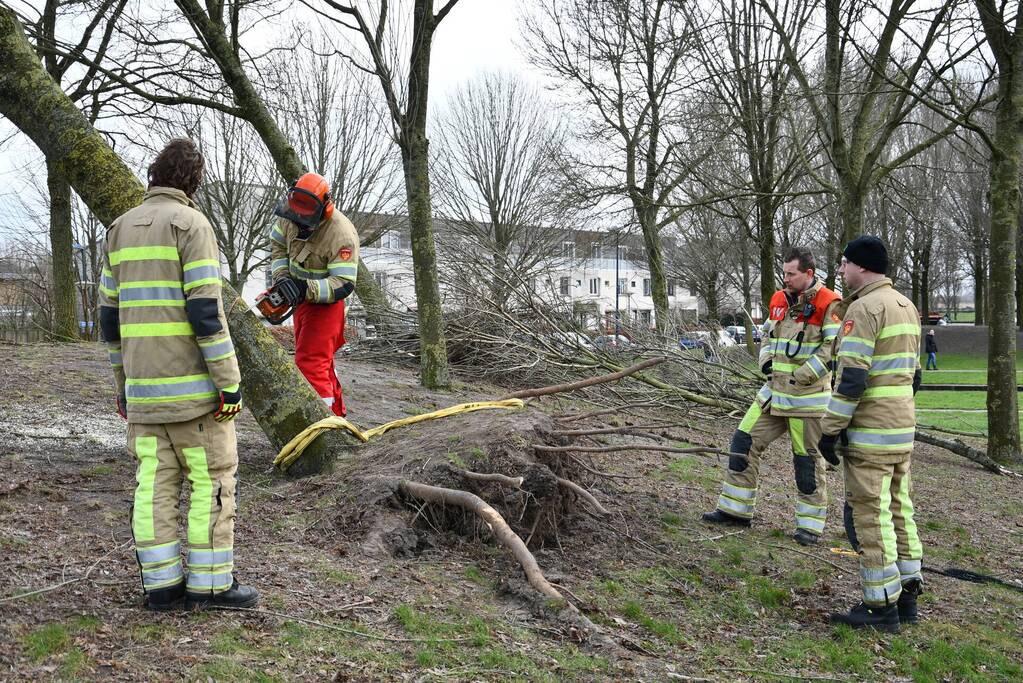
<point x="618" y="285"/>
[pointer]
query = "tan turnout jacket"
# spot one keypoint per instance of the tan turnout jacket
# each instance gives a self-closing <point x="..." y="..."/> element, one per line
<point x="325" y="260"/>
<point x="878" y="358"/>
<point x="800" y="383"/>
<point x="161" y="311"/>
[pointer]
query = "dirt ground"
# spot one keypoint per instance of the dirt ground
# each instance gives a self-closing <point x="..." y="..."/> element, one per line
<point x="679" y="600"/>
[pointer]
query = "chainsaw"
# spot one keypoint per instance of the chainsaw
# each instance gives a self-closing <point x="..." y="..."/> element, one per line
<point x="278" y="303"/>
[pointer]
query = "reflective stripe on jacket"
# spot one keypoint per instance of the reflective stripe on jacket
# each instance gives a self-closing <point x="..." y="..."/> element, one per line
<point x="328" y="258"/>
<point x="878" y="351"/>
<point x="161" y="272"/>
<point x="800" y="376"/>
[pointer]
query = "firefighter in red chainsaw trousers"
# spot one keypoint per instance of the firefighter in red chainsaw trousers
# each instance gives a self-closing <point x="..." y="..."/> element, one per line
<point x="316" y="247"/>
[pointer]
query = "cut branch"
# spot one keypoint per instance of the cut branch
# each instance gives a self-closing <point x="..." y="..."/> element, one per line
<point x="700" y="450"/>
<point x="572" y="386"/>
<point x="960" y="448"/>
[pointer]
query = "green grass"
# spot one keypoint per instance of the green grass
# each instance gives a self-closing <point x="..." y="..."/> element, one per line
<point x="47" y="640"/>
<point x="963" y="316"/>
<point x="661" y="628"/>
<point x="951" y="399"/>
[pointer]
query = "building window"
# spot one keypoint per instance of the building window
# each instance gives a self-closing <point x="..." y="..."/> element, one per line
<point x="646" y="286"/>
<point x="595" y="251"/>
<point x="622" y="286"/>
<point x="568" y="249"/>
<point x="644" y="317"/>
<point x="578" y="283"/>
<point x="671" y="288"/>
<point x="595" y="285"/>
<point x="381" y="279"/>
<point x="564" y="286"/>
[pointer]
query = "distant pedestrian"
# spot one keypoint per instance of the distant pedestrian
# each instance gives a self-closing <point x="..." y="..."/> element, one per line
<point x="931" y="347"/>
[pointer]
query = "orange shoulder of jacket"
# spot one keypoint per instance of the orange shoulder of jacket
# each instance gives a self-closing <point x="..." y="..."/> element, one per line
<point x="779" y="299"/>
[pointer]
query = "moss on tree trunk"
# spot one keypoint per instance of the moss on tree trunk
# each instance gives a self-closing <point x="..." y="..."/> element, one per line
<point x="1002" y="396"/>
<point x="278" y="396"/>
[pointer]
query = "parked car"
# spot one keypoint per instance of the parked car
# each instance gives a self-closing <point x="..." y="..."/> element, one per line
<point x="611" y="342"/>
<point x="738" y="333"/>
<point x="570" y="342"/>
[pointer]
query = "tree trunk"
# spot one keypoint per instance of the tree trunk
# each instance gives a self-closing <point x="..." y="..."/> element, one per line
<point x="655" y="260"/>
<point x="925" y="281"/>
<point x="65" y="306"/>
<point x="979" y="282"/>
<point x="711" y="296"/>
<point x="851" y="205"/>
<point x="914" y="280"/>
<point x="765" y="242"/>
<point x="1002" y="398"/>
<point x="1019" y="277"/>
<point x="415" y="148"/>
<point x="279" y="397"/>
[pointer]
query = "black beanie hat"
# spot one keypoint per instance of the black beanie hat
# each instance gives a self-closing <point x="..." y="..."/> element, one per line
<point x="868" y="252"/>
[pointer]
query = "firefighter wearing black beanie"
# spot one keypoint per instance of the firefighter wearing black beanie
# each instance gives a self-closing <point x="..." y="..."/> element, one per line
<point x="868" y="252"/>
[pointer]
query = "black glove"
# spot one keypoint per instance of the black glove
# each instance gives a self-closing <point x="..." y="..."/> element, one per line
<point x="122" y="405"/>
<point x="292" y="289"/>
<point x="917" y="379"/>
<point x="767" y="367"/>
<point x="826" y="446"/>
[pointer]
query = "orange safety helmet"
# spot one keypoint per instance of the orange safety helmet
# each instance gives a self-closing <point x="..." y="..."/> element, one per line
<point x="308" y="202"/>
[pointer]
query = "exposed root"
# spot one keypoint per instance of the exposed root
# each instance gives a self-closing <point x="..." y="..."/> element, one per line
<point x="585" y="495"/>
<point x="493" y="519"/>
<point x="510" y="482"/>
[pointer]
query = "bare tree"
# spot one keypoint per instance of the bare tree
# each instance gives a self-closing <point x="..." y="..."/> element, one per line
<point x="750" y="78"/>
<point x="627" y="60"/>
<point x="878" y="63"/>
<point x="500" y="182"/>
<point x="82" y="87"/>
<point x="239" y="194"/>
<point x="327" y="107"/>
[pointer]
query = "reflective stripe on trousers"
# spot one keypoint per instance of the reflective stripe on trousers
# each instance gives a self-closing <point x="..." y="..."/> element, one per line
<point x="811" y="517"/>
<point x="881" y="586"/>
<point x="737" y="501"/>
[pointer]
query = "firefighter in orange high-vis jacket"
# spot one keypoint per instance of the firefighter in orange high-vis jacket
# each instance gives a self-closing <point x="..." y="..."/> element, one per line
<point x="871" y="422"/>
<point x="177" y="383"/>
<point x="796" y="355"/>
<point x="316" y="247"/>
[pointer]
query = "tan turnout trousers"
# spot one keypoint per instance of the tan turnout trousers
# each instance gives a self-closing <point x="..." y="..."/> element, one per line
<point x="756" y="432"/>
<point x="204" y="451"/>
<point x="891" y="553"/>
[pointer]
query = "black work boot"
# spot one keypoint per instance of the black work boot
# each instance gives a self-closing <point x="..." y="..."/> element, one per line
<point x="804" y="537"/>
<point x="907" y="601"/>
<point x="719" y="517"/>
<point x="864" y="616"/>
<point x="235" y="596"/>
<point x="166" y="599"/>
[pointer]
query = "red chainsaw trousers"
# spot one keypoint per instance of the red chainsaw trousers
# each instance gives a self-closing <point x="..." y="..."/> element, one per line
<point x="319" y="333"/>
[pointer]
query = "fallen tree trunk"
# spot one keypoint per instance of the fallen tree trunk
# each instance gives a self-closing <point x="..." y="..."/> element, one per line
<point x="275" y="391"/>
<point x="961" y="448"/>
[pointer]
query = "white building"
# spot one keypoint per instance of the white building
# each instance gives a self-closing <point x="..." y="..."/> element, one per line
<point x="583" y="274"/>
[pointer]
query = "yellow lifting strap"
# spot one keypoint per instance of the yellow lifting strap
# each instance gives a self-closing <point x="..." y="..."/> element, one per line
<point x="294" y="448"/>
